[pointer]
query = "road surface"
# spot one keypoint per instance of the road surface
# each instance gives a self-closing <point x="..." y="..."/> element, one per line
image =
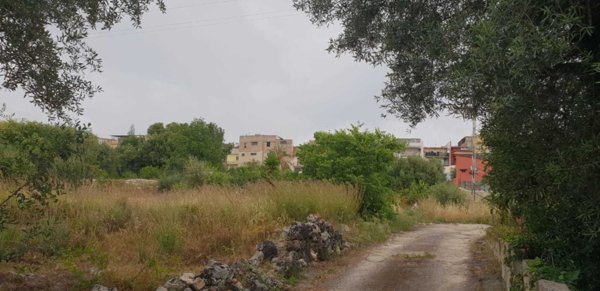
<point x="432" y="257"/>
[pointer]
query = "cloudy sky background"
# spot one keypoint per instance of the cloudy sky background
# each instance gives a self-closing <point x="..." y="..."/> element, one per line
<point x="251" y="66"/>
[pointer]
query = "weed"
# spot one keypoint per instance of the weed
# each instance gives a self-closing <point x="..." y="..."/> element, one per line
<point x="118" y="215"/>
<point x="168" y="238"/>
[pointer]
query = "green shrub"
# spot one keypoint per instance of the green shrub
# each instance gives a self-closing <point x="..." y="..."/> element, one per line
<point x="219" y="178"/>
<point x="168" y="182"/>
<point x="293" y="176"/>
<point x="149" y="172"/>
<point x="355" y="157"/>
<point x="168" y="238"/>
<point x="447" y="193"/>
<point x="196" y="173"/>
<point x="410" y="170"/>
<point x="118" y="216"/>
<point x="48" y="237"/>
<point x="541" y="270"/>
<point x="416" y="192"/>
<point x="245" y="175"/>
<point x="376" y="198"/>
<point x="11" y="244"/>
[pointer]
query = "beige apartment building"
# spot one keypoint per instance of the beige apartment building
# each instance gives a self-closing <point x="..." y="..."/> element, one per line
<point x="255" y="148"/>
<point x="414" y="147"/>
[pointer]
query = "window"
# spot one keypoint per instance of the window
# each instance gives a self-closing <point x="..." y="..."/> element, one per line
<point x="268" y="144"/>
<point x="253" y="154"/>
<point x="254" y="143"/>
<point x="238" y="158"/>
<point x="244" y="145"/>
<point x="243" y="155"/>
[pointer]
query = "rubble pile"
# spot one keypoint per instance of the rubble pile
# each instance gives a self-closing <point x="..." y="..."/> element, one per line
<point x="219" y="276"/>
<point x="310" y="241"/>
<point x="314" y="240"/>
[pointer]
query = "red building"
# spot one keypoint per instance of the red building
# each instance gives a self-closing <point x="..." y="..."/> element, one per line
<point x="463" y="162"/>
<point x="454" y="150"/>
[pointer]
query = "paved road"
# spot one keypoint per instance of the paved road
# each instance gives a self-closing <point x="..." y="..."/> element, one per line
<point x="432" y="257"/>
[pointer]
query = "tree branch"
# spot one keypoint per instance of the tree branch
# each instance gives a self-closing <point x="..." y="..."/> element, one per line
<point x="13" y="194"/>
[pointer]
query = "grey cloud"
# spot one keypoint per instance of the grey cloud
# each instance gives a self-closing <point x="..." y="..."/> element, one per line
<point x="270" y="74"/>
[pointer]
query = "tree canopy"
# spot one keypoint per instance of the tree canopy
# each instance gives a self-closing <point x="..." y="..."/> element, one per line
<point x="353" y="156"/>
<point x="43" y="50"/>
<point x="465" y="56"/>
<point x="29" y="156"/>
<point x="170" y="147"/>
<point x="529" y="70"/>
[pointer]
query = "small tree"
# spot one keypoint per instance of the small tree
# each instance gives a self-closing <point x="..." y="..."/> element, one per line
<point x="29" y="155"/>
<point x="357" y="157"/>
<point x="410" y="170"/>
<point x="272" y="162"/>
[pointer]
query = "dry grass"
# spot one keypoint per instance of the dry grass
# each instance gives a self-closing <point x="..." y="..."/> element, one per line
<point x="134" y="237"/>
<point x="138" y="236"/>
<point x="472" y="211"/>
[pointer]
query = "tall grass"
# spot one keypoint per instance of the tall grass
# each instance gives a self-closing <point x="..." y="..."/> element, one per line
<point x="137" y="236"/>
<point x="147" y="234"/>
<point x="470" y="211"/>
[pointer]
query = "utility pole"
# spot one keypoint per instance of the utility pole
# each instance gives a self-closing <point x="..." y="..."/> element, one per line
<point x="473" y="157"/>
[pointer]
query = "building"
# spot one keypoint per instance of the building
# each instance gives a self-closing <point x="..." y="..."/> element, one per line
<point x="110" y="142"/>
<point x="116" y="140"/>
<point x="414" y="147"/>
<point x="253" y="149"/>
<point x="462" y="157"/>
<point x="464" y="170"/>
<point x="438" y="153"/>
<point x="233" y="158"/>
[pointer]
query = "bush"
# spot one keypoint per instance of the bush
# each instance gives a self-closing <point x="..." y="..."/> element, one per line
<point x="219" y="178"/>
<point x="118" y="216"/>
<point x="196" y="173"/>
<point x="447" y="193"/>
<point x="272" y="162"/>
<point x="149" y="172"/>
<point x="416" y="192"/>
<point x="245" y="175"/>
<point x="11" y="242"/>
<point x="168" y="182"/>
<point x="356" y="157"/>
<point x="168" y="238"/>
<point x="410" y="170"/>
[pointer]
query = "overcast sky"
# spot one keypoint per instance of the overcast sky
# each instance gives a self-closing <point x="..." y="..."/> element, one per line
<point x="251" y="66"/>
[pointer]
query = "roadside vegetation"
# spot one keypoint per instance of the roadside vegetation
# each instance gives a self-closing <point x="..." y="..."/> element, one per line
<point x="136" y="236"/>
<point x="529" y="73"/>
<point x="132" y="234"/>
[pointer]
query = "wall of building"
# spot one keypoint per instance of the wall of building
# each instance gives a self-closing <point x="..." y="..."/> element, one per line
<point x="463" y="169"/>
<point x="255" y="148"/>
<point x="414" y="147"/>
<point x="438" y="153"/>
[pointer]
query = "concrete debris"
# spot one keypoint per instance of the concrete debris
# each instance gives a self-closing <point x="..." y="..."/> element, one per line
<point x="98" y="287"/>
<point x="268" y="248"/>
<point x="175" y="284"/>
<point x="313" y="240"/>
<point x="265" y="251"/>
<point x="218" y="276"/>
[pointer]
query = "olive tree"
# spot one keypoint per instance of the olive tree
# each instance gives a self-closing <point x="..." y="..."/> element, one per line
<point x="529" y="71"/>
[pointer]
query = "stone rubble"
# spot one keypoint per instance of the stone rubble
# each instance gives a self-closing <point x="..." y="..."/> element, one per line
<point x="98" y="287"/>
<point x="313" y="240"/>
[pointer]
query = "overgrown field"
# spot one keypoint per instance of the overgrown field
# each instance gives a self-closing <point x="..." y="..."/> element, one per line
<point x="133" y="237"/>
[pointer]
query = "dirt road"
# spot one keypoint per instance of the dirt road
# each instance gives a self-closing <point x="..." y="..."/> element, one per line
<point x="432" y="257"/>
